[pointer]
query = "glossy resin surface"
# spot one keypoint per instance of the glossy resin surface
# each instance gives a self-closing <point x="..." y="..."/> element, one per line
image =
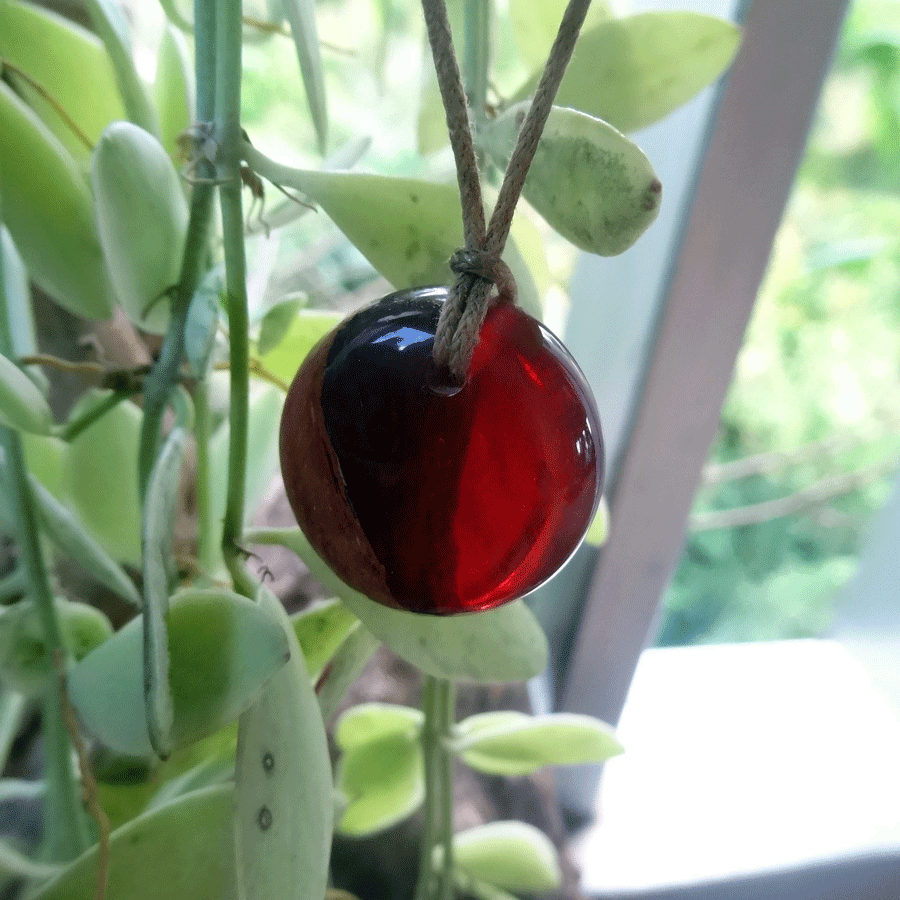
<point x="468" y="498"/>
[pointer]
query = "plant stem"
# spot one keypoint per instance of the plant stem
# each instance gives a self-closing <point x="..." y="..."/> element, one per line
<point x="206" y="549"/>
<point x="161" y="380"/>
<point x="65" y="822"/>
<point x="476" y="62"/>
<point x="436" y="869"/>
<point x="228" y="136"/>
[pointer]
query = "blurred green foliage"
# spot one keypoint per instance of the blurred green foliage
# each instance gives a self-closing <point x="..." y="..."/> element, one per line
<point x="817" y="379"/>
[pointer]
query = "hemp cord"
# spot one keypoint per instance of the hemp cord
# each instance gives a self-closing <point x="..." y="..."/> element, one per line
<point x="478" y="266"/>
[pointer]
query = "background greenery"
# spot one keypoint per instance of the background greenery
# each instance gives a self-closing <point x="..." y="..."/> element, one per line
<point x="816" y="393"/>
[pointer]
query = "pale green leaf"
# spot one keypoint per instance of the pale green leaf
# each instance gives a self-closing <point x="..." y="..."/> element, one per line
<point x="22" y="405"/>
<point x="17" y="864"/>
<point x="173" y="90"/>
<point x="108" y="19"/>
<point x="301" y="16"/>
<point x="535" y="24"/>
<point x="633" y="71"/>
<point x="49" y="212"/>
<point x="45" y="456"/>
<point x="407" y="228"/>
<point x="276" y="321"/>
<point x="592" y="184"/>
<point x="512" y="856"/>
<point x="503" y="644"/>
<point x="142" y="220"/>
<point x="181" y="850"/>
<point x="383" y="781"/>
<point x="71" y="538"/>
<point x="13" y="709"/>
<point x="222" y="650"/>
<point x="373" y="721"/>
<point x="344" y="668"/>
<point x="203" y="320"/>
<point x="19" y="312"/>
<point x="26" y="658"/>
<point x="517" y="747"/>
<point x="156" y="538"/>
<point x="598" y="531"/>
<point x="55" y="52"/>
<point x="283" y="815"/>
<point x="320" y="630"/>
<point x="431" y="123"/>
<point x="303" y="332"/>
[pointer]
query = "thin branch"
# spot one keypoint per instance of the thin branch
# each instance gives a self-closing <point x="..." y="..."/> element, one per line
<point x="821" y="492"/>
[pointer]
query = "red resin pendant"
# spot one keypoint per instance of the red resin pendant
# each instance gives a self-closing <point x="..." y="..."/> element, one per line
<point x="440" y="501"/>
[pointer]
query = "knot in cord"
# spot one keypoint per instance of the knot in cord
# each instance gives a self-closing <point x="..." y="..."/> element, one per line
<point x="487" y="266"/>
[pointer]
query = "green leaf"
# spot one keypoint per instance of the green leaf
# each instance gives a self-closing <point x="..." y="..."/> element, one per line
<point x="534" y="25"/>
<point x="100" y="477"/>
<point x="45" y="456"/>
<point x="50" y="213"/>
<point x="383" y="781"/>
<point x="142" y="220"/>
<point x="173" y="90"/>
<point x="278" y="318"/>
<point x="512" y="856"/>
<point x="520" y="746"/>
<point x="633" y="71"/>
<point x="503" y="644"/>
<point x="408" y="229"/>
<point x="598" y="531"/>
<point x="303" y="332"/>
<point x="72" y="539"/>
<point x="22" y="405"/>
<point x="14" y="863"/>
<point x="26" y="661"/>
<point x="109" y="22"/>
<point x="372" y="721"/>
<point x="283" y="798"/>
<point x="19" y="313"/>
<point x="431" y="123"/>
<point x="320" y="630"/>
<point x="592" y="184"/>
<point x="181" y="850"/>
<point x="156" y="539"/>
<point x="13" y="710"/>
<point x="344" y="668"/>
<point x="301" y="16"/>
<point x="222" y="650"/>
<point x="55" y="52"/>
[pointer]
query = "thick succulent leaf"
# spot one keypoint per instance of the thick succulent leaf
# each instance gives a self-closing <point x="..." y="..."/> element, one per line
<point x="100" y="477"/>
<point x="276" y="320"/>
<point x="22" y="405"/>
<point x="512" y="856"/>
<point x="26" y="660"/>
<point x="181" y="850"/>
<point x="504" y="644"/>
<point x="108" y="19"/>
<point x="303" y="332"/>
<point x="633" y="71"/>
<point x="222" y="649"/>
<point x="407" y="228"/>
<point x="49" y="212"/>
<point x="598" y="531"/>
<point x="320" y="630"/>
<point x="45" y="456"/>
<point x="71" y="538"/>
<point x="283" y="796"/>
<point x="344" y="668"/>
<point x="203" y="320"/>
<point x="591" y="183"/>
<point x="535" y="25"/>
<point x="517" y="747"/>
<point x="173" y="90"/>
<point x="56" y="53"/>
<point x="383" y="781"/>
<point x="142" y="220"/>
<point x="19" y="313"/>
<point x="372" y="721"/>
<point x="301" y="16"/>
<point x="156" y="540"/>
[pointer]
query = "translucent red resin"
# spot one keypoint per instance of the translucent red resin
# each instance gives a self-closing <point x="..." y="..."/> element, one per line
<point x="467" y="498"/>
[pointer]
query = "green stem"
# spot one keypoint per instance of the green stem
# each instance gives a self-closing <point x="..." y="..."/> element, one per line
<point x="477" y="59"/>
<point x="162" y="379"/>
<point x="228" y="136"/>
<point x="82" y="422"/>
<point x="436" y="869"/>
<point x="206" y="549"/>
<point x="65" y="822"/>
